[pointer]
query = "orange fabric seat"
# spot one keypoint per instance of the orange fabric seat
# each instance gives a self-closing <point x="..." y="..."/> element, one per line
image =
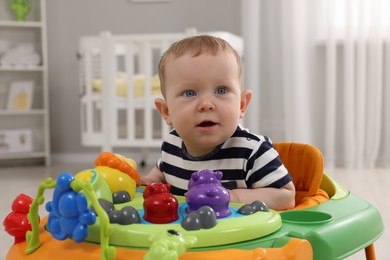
<point x="306" y="167"/>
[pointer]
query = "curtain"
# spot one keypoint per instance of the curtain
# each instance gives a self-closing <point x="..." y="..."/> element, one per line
<point x="324" y="69"/>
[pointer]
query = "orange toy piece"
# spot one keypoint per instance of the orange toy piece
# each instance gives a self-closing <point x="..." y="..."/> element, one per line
<point x="118" y="162"/>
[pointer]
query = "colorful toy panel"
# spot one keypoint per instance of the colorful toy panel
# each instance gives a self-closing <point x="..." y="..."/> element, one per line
<point x="90" y="218"/>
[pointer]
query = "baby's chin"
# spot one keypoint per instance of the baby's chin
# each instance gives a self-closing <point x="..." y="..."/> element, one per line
<point x="203" y="147"/>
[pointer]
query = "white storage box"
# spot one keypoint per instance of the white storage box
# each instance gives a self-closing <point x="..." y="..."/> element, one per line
<point x="15" y="141"/>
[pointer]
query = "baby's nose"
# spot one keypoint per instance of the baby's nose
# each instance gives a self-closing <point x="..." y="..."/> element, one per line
<point x="206" y="103"/>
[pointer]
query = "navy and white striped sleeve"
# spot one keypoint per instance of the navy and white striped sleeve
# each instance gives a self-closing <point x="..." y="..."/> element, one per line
<point x="265" y="168"/>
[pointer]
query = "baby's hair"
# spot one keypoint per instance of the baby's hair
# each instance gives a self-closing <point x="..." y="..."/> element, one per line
<point x="196" y="45"/>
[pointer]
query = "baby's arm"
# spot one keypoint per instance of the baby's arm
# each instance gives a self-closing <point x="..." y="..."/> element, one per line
<point x="277" y="199"/>
<point x="154" y="176"/>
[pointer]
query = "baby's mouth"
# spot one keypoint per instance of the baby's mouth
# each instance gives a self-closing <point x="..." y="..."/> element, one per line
<point x="207" y="124"/>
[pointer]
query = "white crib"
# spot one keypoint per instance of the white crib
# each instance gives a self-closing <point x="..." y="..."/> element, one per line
<point x="118" y="85"/>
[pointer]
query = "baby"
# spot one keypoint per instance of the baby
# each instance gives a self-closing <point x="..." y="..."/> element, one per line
<point x="203" y="99"/>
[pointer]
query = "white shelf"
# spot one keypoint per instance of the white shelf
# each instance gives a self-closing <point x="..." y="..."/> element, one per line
<point x="36" y="119"/>
<point x="4" y="112"/>
<point x="32" y="155"/>
<point x="20" y="24"/>
<point x="21" y="68"/>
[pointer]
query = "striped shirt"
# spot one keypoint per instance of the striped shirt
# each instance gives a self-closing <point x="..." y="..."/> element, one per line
<point x="246" y="161"/>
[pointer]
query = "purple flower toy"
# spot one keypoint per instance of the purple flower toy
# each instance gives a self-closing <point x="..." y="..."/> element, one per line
<point x="205" y="189"/>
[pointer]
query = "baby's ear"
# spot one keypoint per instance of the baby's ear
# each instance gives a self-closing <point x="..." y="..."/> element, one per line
<point x="246" y="97"/>
<point x="162" y="108"/>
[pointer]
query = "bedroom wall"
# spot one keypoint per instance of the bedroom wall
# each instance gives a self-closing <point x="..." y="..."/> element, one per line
<point x="71" y="19"/>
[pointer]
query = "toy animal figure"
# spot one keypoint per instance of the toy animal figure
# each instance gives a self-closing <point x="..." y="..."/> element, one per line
<point x="160" y="205"/>
<point x="205" y="189"/>
<point x="16" y="223"/>
<point x="69" y="214"/>
<point x="168" y="245"/>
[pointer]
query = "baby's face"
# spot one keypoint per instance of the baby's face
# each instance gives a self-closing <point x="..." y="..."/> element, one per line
<point x="203" y="96"/>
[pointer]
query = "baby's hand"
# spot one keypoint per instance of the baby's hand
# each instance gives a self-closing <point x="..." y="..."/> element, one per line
<point x="145" y="181"/>
<point x="233" y="196"/>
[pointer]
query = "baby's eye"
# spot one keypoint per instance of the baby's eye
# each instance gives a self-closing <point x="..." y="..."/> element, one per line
<point x="221" y="90"/>
<point x="189" y="93"/>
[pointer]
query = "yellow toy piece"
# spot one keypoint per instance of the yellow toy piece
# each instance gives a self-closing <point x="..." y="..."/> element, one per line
<point x="117" y="180"/>
<point x="113" y="173"/>
<point x="119" y="162"/>
<point x="99" y="183"/>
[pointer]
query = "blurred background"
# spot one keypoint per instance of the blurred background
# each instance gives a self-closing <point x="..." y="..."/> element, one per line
<point x="319" y="69"/>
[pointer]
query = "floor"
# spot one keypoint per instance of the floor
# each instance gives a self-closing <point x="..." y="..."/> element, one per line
<point x="372" y="185"/>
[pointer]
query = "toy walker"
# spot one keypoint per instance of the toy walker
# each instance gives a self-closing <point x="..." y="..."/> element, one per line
<point x="100" y="213"/>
